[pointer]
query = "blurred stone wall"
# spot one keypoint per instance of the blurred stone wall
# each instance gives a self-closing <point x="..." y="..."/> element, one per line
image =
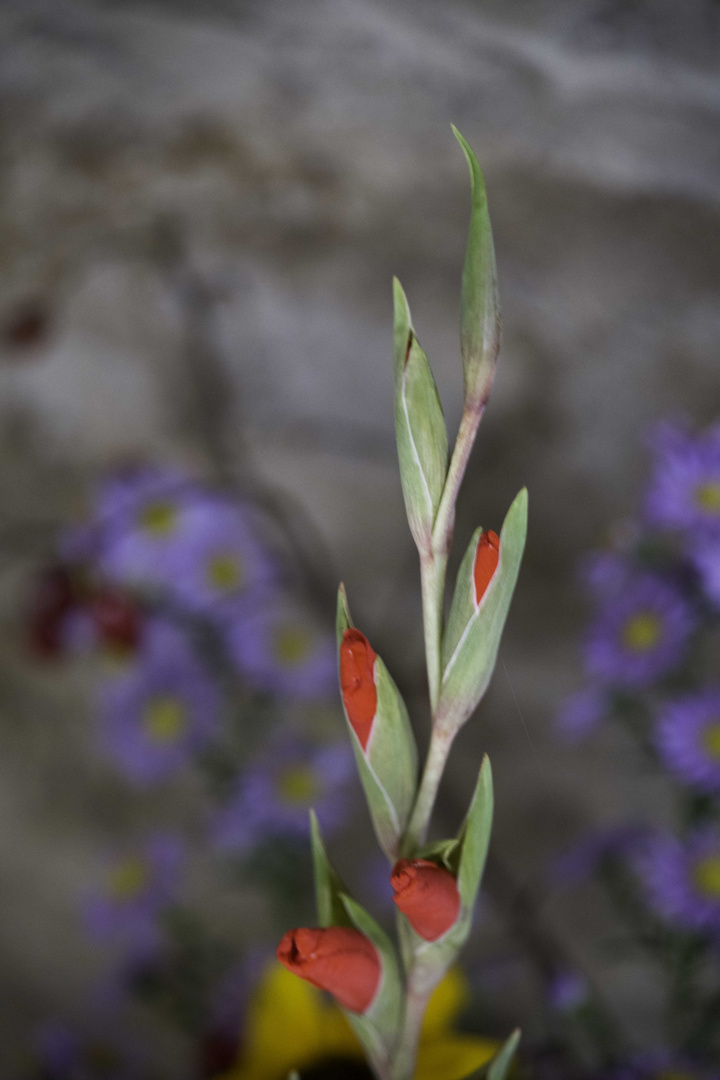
<point x="280" y="161"/>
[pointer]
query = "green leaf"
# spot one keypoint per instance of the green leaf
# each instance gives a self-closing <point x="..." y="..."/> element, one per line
<point x="443" y="852"/>
<point x="475" y="838"/>
<point x="420" y="431"/>
<point x="480" y="327"/>
<point x="497" y="1068"/>
<point x="388" y="764"/>
<point x="343" y="621"/>
<point x="378" y="1027"/>
<point x="328" y="886"/>
<point x="472" y="638"/>
<point x="294" y="1075"/>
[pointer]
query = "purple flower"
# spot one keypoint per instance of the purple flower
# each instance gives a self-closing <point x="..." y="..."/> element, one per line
<point x="682" y="880"/>
<point x="684" y="491"/>
<point x="705" y="554"/>
<point x="217" y="566"/>
<point x="136" y="887"/>
<point x="158" y="529"/>
<point x="280" y="648"/>
<point x="640" y="633"/>
<point x="581" y="713"/>
<point x="274" y="796"/>
<point x="144" y="496"/>
<point x="688" y="739"/>
<point x="161" y="710"/>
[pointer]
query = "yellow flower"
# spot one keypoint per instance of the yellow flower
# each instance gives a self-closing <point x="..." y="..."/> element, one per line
<point x="291" y="1025"/>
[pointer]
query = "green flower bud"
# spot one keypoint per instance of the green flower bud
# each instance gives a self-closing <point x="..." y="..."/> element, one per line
<point x="419" y="427"/>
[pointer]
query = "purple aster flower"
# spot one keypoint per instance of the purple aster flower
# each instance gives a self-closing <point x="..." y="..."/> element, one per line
<point x="685" y="488"/>
<point x="160" y="710"/>
<point x="682" y="880"/>
<point x="137" y="495"/>
<point x="705" y="554"/>
<point x="640" y="633"/>
<point x="273" y="797"/>
<point x="136" y="887"/>
<point x="280" y="648"/>
<point x="158" y="529"/>
<point x="581" y="713"/>
<point x="219" y="568"/>
<point x="688" y="739"/>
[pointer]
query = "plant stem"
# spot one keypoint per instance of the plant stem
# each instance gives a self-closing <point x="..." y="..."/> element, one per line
<point x="432" y="577"/>
<point x="416" y="832"/>
<point x="445" y="517"/>
<point x="406" y="1052"/>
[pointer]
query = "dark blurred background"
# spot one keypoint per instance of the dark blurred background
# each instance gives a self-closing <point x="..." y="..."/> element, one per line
<point x="202" y="208"/>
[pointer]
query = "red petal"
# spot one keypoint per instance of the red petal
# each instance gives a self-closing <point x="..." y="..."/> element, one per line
<point x="357" y="683"/>
<point x="486" y="560"/>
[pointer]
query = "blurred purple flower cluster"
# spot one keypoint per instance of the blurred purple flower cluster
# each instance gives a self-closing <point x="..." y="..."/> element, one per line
<point x="207" y="659"/>
<point x="651" y="660"/>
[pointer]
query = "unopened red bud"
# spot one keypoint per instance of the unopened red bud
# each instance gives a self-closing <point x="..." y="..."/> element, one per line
<point x="338" y="959"/>
<point x="427" y="895"/>
<point x="117" y="619"/>
<point x="357" y="682"/>
<point x="486" y="560"/>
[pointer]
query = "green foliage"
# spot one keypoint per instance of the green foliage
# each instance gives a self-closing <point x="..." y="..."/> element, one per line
<point x="388" y="764"/>
<point x="422" y="442"/>
<point x="381" y="1022"/>
<point x="480" y="329"/>
<point x="497" y="1068"/>
<point x="328" y="886"/>
<point x="472" y="638"/>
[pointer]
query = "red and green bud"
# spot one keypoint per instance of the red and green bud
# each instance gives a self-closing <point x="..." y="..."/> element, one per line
<point x="486" y="560"/>
<point x="357" y="682"/>
<point x="380" y="731"/>
<point x="338" y="959"/>
<point x="481" y="600"/>
<point x="427" y="895"/>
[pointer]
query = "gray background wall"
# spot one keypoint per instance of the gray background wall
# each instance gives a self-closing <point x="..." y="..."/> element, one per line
<point x="300" y="154"/>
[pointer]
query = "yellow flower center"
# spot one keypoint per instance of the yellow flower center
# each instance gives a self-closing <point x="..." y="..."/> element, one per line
<point x="158" y="518"/>
<point x="711" y="740"/>
<point x="225" y="573"/>
<point x="292" y="644"/>
<point x="707" y="496"/>
<point x="642" y="631"/>
<point x="164" y="718"/>
<point x="298" y="784"/>
<point x="128" y="879"/>
<point x="707" y="876"/>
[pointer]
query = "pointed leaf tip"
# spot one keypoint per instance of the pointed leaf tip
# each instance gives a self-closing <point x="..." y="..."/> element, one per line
<point x="480" y="308"/>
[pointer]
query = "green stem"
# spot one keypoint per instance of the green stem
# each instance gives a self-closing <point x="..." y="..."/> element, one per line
<point x="432" y="577"/>
<point x="405" y="1055"/>
<point x="445" y="517"/>
<point x="416" y="831"/>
